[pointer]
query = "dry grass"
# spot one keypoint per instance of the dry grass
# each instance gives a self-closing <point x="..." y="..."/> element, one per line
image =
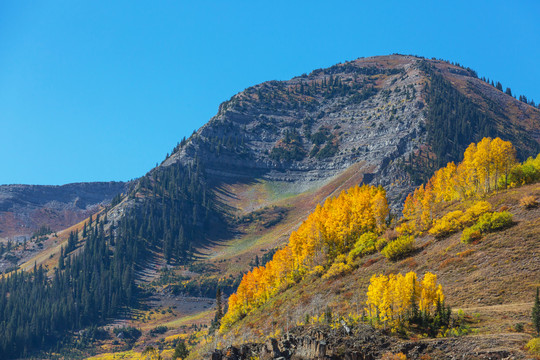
<point x="233" y="256"/>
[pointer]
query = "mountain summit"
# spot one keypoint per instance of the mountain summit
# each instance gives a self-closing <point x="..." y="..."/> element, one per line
<point x="397" y="118"/>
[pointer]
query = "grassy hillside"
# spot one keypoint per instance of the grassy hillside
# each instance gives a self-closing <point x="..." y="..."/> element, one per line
<point x="492" y="281"/>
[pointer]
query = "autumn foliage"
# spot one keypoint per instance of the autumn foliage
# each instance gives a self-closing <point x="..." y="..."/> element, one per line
<point x="486" y="167"/>
<point x="328" y="233"/>
<point x="395" y="299"/>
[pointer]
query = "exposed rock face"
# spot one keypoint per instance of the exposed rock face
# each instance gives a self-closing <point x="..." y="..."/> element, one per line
<point x="24" y="208"/>
<point x="366" y="343"/>
<point x="374" y="110"/>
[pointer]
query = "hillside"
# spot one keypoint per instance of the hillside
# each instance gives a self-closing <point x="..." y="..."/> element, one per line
<point x="491" y="281"/>
<point x="291" y="144"/>
<point x="231" y="194"/>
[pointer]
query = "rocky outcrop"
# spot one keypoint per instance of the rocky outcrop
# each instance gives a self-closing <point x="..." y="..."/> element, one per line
<point x="358" y="111"/>
<point x="366" y="343"/>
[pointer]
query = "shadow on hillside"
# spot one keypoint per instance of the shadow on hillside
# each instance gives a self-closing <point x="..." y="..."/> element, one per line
<point x="223" y="228"/>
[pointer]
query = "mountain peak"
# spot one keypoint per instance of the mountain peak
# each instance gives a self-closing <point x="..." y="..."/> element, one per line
<point x="380" y="111"/>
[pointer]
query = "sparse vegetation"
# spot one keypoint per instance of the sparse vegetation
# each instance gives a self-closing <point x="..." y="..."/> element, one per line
<point x="391" y="356"/>
<point x="488" y="222"/>
<point x="528" y="202"/>
<point x="536" y="312"/>
<point x="289" y="148"/>
<point x="534" y="346"/>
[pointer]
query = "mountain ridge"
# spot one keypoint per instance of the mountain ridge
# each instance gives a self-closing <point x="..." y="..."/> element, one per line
<point x="24" y="208"/>
<point x="254" y="122"/>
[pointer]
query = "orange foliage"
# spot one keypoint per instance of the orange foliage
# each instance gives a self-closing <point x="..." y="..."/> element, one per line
<point x="331" y="230"/>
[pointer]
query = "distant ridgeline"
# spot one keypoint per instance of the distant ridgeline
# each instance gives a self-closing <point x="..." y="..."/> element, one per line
<point x="97" y="282"/>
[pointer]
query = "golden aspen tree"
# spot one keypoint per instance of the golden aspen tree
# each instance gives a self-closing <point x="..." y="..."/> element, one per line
<point x="428" y="297"/>
<point x="328" y="233"/>
<point x="390" y="298"/>
<point x="484" y="164"/>
<point x="468" y="173"/>
<point x="504" y="156"/>
<point x="426" y="216"/>
<point x="375" y="294"/>
<point x="380" y="209"/>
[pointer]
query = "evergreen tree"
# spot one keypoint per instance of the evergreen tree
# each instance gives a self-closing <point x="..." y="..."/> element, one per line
<point x="61" y="259"/>
<point x="219" y="307"/>
<point x="536" y="313"/>
<point x="180" y="351"/>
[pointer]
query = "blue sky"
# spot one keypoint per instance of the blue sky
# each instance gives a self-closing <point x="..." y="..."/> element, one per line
<point x="102" y="90"/>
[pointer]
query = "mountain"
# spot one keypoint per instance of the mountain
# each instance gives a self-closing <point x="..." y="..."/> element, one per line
<point x="25" y="208"/>
<point x="397" y="117"/>
<point x="231" y="194"/>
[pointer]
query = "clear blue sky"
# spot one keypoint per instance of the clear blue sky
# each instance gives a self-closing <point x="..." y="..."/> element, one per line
<point x="102" y="90"/>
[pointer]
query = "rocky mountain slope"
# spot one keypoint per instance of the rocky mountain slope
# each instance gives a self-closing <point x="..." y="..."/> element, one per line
<point x="367" y="343"/>
<point x="24" y="208"/>
<point x="394" y="114"/>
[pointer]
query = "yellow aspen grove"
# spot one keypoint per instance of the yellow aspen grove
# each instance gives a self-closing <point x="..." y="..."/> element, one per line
<point x="486" y="166"/>
<point x="390" y="299"/>
<point x="329" y="232"/>
<point x="430" y="291"/>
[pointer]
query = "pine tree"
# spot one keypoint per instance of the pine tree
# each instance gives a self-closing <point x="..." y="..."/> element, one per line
<point x="180" y="351"/>
<point x="536" y="313"/>
<point x="219" y="308"/>
<point x="414" y="311"/>
<point x="61" y="259"/>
